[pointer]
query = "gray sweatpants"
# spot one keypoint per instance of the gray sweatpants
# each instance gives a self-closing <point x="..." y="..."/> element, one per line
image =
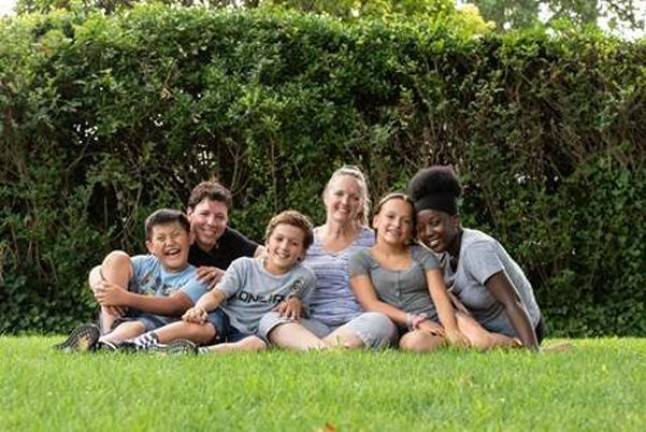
<point x="375" y="329"/>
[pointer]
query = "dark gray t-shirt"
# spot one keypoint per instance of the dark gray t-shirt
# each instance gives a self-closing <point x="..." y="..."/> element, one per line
<point x="252" y="291"/>
<point x="405" y="289"/>
<point x="481" y="256"/>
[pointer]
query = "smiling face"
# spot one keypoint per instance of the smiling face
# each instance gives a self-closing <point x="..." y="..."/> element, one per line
<point x="169" y="243"/>
<point x="394" y="223"/>
<point x="284" y="248"/>
<point x="343" y="200"/>
<point x="438" y="230"/>
<point x="209" y="220"/>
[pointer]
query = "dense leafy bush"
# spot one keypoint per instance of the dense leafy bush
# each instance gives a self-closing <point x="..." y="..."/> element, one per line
<point x="106" y="118"/>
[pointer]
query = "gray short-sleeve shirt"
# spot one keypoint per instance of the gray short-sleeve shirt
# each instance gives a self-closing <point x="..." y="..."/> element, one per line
<point x="405" y="289"/>
<point x="251" y="291"/>
<point x="481" y="256"/>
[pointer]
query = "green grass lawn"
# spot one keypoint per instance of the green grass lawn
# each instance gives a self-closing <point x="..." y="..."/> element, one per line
<point x="598" y="385"/>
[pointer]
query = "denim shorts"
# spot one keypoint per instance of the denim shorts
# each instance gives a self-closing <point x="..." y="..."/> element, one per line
<point x="216" y="318"/>
<point x="150" y="321"/>
<point x="233" y="334"/>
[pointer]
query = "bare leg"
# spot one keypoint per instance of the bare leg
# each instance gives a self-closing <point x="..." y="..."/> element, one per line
<point x="420" y="341"/>
<point x="344" y="337"/>
<point x="294" y="336"/>
<point x="200" y="334"/>
<point x="479" y="337"/>
<point x="126" y="330"/>
<point x="250" y="343"/>
<point x="369" y="330"/>
<point x="116" y="268"/>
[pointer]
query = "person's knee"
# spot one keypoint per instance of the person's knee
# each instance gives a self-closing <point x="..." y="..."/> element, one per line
<point x="200" y="333"/>
<point x="418" y="341"/>
<point x="409" y="342"/>
<point x="117" y="257"/>
<point x="255" y="344"/>
<point x="383" y="332"/>
<point x="116" y="262"/>
<point x="384" y="326"/>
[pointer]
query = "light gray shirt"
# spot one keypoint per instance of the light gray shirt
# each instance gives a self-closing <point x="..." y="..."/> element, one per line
<point x="251" y="291"/>
<point x="333" y="303"/>
<point x="405" y="289"/>
<point x="481" y="256"/>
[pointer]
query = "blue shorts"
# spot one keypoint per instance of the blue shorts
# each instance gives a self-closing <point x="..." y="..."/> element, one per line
<point x="151" y="322"/>
<point x="219" y="321"/>
<point x="232" y="334"/>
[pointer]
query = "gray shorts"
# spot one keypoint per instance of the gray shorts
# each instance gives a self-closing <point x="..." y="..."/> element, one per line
<point x="375" y="330"/>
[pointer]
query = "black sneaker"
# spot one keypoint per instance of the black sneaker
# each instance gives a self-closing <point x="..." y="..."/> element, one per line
<point x="176" y="347"/>
<point x="82" y="339"/>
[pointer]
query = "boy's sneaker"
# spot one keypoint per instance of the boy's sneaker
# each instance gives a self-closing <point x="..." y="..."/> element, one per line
<point x="128" y="347"/>
<point x="82" y="339"/>
<point x="106" y="346"/>
<point x="176" y="347"/>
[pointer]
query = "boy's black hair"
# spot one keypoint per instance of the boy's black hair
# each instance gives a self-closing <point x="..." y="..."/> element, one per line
<point x="435" y="188"/>
<point x="163" y="217"/>
<point x="212" y="190"/>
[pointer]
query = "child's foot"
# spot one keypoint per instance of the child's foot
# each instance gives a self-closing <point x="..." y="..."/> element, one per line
<point x="82" y="339"/>
<point x="176" y="347"/>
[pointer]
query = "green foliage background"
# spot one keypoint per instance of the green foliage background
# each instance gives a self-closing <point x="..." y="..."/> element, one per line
<point x="106" y="118"/>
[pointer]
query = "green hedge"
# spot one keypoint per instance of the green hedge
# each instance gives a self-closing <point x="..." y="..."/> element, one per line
<point x="106" y="118"/>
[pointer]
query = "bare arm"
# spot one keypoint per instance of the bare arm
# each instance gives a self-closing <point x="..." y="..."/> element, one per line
<point x="501" y="288"/>
<point x="109" y="294"/>
<point x="445" y="310"/>
<point x="367" y="297"/>
<point x="211" y="300"/>
<point x="206" y="303"/>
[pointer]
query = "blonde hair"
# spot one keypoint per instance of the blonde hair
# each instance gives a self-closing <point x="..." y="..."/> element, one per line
<point x="354" y="172"/>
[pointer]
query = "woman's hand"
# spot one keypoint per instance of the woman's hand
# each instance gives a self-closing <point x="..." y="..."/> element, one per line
<point x="209" y="275"/>
<point x="291" y="308"/>
<point x="195" y="315"/>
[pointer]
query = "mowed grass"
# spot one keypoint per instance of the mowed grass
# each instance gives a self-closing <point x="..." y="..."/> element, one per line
<point x="599" y="385"/>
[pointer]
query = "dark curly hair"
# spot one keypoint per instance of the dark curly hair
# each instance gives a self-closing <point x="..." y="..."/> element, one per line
<point x="435" y="188"/>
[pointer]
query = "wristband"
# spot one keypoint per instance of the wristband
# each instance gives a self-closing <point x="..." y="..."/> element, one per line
<point x="410" y="321"/>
